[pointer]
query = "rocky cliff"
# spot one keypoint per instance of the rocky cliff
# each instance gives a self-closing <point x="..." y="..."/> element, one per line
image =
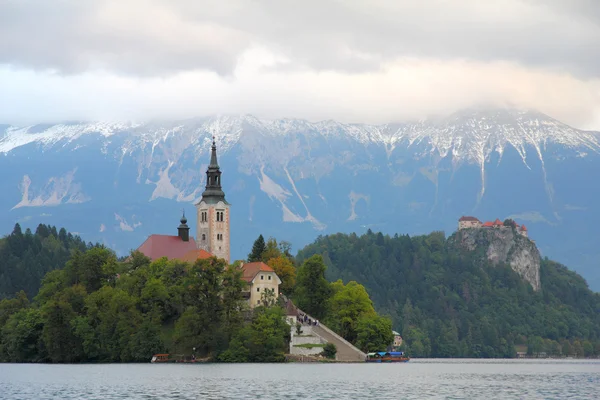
<point x="504" y="245"/>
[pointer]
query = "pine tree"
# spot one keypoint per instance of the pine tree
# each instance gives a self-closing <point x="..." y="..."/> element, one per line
<point x="258" y="248"/>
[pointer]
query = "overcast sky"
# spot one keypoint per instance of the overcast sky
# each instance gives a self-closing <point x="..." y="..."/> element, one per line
<point x="356" y="61"/>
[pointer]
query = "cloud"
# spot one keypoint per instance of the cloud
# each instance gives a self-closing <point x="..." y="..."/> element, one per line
<point x="160" y="37"/>
<point x="355" y="61"/>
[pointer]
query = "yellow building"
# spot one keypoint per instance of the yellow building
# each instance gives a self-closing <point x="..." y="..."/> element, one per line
<point x="263" y="283"/>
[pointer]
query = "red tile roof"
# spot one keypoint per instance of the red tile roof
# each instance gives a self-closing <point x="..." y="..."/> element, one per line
<point x="523" y="228"/>
<point x="488" y="224"/>
<point x="250" y="270"/>
<point x="196" y="254"/>
<point x="157" y="246"/>
<point x="467" y="218"/>
<point x="497" y="222"/>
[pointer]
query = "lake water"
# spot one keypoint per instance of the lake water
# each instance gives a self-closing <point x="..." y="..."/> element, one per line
<point x="417" y="379"/>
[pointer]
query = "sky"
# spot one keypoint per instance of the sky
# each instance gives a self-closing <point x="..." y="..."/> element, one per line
<point x="374" y="61"/>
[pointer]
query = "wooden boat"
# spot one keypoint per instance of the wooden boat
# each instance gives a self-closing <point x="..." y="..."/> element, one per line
<point x="160" y="358"/>
<point x="173" y="358"/>
<point x="387" y="356"/>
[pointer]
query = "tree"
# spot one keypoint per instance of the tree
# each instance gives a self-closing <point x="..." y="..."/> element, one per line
<point x="266" y="339"/>
<point x="271" y="250"/>
<point x="258" y="248"/>
<point x="374" y="333"/>
<point x="312" y="289"/>
<point x="348" y="304"/>
<point x="329" y="351"/>
<point x="285" y="270"/>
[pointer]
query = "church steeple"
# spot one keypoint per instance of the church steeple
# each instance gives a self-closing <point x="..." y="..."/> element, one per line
<point x="212" y="212"/>
<point x="213" y="192"/>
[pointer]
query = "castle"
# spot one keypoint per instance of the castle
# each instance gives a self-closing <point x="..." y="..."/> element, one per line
<point x="467" y="222"/>
<point x="212" y="237"/>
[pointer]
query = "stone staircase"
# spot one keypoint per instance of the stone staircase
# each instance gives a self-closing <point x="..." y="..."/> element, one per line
<point x="345" y="350"/>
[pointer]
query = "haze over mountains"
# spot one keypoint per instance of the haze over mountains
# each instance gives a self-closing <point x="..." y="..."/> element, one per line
<point x="293" y="179"/>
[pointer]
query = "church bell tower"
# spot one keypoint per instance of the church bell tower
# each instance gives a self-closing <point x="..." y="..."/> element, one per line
<point x="212" y="232"/>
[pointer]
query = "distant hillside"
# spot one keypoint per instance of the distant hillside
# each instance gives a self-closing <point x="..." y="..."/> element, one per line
<point x="448" y="300"/>
<point x="25" y="258"/>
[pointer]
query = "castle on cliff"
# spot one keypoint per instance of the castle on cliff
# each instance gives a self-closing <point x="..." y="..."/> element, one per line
<point x="467" y="222"/>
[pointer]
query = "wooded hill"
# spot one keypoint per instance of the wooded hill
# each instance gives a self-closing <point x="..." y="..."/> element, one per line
<point x="25" y="258"/>
<point x="448" y="302"/>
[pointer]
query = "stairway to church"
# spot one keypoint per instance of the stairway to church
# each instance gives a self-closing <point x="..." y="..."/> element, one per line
<point x="345" y="350"/>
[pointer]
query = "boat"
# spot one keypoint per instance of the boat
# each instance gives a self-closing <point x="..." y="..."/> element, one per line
<point x="160" y="358"/>
<point x="387" y="356"/>
<point x="173" y="358"/>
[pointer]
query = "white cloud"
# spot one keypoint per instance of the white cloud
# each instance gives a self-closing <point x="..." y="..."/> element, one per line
<point x="361" y="61"/>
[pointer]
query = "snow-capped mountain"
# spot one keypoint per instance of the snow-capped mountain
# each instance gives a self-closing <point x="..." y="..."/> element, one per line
<point x="294" y="179"/>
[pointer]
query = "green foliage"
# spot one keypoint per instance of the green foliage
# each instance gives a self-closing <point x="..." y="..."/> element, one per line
<point x="374" y="333"/>
<point x="312" y="289"/>
<point x="329" y="351"/>
<point x="258" y="248"/>
<point x="98" y="309"/>
<point x="27" y="257"/>
<point x="284" y="268"/>
<point x="266" y="339"/>
<point x="447" y="303"/>
<point x="347" y="306"/>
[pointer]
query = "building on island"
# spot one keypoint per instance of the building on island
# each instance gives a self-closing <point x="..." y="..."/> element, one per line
<point x="468" y="222"/>
<point x="212" y="239"/>
<point x="263" y="282"/>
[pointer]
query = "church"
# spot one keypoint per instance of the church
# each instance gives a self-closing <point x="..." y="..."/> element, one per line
<point x="212" y="237"/>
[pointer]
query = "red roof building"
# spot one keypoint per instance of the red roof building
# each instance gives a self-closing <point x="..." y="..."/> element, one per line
<point x="523" y="228"/>
<point x="497" y="222"/>
<point x="250" y="270"/>
<point x="157" y="246"/>
<point x="488" y="224"/>
<point x="468" y="218"/>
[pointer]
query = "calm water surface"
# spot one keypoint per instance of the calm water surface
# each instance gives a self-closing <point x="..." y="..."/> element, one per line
<point x="418" y="379"/>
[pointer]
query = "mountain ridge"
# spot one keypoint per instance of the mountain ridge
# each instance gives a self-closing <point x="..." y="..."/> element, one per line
<point x="117" y="183"/>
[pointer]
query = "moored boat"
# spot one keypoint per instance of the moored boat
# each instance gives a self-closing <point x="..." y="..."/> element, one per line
<point x="387" y="356"/>
<point x="173" y="358"/>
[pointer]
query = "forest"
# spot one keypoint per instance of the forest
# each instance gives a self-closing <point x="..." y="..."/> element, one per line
<point x="27" y="257"/>
<point x="97" y="308"/>
<point x="449" y="303"/>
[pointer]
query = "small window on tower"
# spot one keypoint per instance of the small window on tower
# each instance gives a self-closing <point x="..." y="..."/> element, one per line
<point x="203" y="236"/>
<point x="258" y="289"/>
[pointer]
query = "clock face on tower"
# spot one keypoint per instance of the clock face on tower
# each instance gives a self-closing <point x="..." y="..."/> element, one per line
<point x="212" y="232"/>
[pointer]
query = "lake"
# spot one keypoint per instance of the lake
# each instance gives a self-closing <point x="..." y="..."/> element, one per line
<point x="417" y="379"/>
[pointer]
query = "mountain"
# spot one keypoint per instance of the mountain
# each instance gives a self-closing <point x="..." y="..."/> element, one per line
<point x="292" y="179"/>
<point x="455" y="297"/>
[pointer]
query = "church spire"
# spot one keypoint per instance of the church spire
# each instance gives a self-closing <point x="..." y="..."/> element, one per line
<point x="213" y="192"/>
<point x="213" y="155"/>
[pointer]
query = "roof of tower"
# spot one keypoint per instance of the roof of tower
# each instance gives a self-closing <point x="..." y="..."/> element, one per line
<point x="213" y="193"/>
<point x="183" y="221"/>
<point x="213" y="155"/>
